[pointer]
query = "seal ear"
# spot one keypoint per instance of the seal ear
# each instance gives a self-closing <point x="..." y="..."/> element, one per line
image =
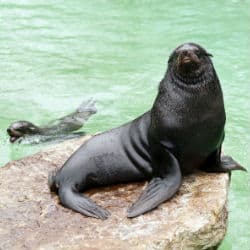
<point x="208" y="54"/>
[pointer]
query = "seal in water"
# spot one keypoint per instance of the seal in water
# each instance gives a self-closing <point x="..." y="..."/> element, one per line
<point x="61" y="128"/>
<point x="183" y="132"/>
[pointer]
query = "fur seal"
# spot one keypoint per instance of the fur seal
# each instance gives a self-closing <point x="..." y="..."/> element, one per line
<point x="61" y="128"/>
<point x="183" y="132"/>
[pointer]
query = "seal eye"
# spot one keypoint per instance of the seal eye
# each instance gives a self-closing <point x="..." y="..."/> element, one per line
<point x="197" y="52"/>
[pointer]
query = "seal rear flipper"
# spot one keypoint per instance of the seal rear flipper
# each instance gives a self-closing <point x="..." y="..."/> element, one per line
<point x="227" y="164"/>
<point x="159" y="189"/>
<point x="221" y="163"/>
<point x="88" y="105"/>
<point x="81" y="204"/>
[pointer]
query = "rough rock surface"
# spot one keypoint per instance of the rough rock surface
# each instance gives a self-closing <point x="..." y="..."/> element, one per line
<point x="31" y="218"/>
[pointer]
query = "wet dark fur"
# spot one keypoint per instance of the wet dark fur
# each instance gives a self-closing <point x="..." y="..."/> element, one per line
<point x="58" y="129"/>
<point x="182" y="132"/>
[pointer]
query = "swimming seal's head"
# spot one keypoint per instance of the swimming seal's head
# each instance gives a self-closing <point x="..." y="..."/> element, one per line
<point x="21" y="128"/>
<point x="190" y="61"/>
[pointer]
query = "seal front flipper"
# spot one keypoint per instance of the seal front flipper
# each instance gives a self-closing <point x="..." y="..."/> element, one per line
<point x="161" y="188"/>
<point x="79" y="203"/>
<point x="221" y="163"/>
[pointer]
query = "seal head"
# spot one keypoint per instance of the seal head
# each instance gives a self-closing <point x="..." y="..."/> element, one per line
<point x="19" y="129"/>
<point x="190" y="62"/>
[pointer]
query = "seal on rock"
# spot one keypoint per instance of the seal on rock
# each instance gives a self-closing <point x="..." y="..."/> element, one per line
<point x="183" y="132"/>
<point x="27" y="132"/>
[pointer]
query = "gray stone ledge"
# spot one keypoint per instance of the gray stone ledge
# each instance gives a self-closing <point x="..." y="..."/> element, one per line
<point x="31" y="218"/>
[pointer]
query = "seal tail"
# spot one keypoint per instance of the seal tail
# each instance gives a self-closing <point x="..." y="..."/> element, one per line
<point x="88" y="105"/>
<point x="79" y="203"/>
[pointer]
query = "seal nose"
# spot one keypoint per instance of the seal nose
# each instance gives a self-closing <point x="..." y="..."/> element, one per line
<point x="186" y="56"/>
<point x="188" y="53"/>
<point x="8" y="130"/>
<point x="187" y="61"/>
<point x="185" y="52"/>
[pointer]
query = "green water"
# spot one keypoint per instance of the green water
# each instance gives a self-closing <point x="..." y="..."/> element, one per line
<point x="54" y="54"/>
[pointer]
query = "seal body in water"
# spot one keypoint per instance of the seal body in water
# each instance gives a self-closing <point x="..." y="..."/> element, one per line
<point x="27" y="132"/>
<point x="183" y="132"/>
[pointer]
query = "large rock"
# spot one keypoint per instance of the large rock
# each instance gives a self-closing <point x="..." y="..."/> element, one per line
<point x="32" y="218"/>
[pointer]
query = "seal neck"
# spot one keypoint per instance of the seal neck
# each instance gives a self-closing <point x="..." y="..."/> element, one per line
<point x="201" y="80"/>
